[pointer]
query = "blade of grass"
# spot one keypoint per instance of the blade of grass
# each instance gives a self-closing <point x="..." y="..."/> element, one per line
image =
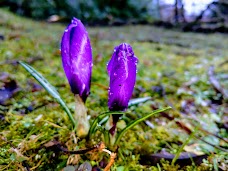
<point x="215" y="163"/>
<point x="183" y="145"/>
<point x="98" y="119"/>
<point x="106" y="137"/>
<point x="138" y="100"/>
<point x="50" y="89"/>
<point x="137" y="121"/>
<point x="104" y="120"/>
<point x="103" y="115"/>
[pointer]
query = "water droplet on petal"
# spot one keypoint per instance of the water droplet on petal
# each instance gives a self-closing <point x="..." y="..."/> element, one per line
<point x="74" y="21"/>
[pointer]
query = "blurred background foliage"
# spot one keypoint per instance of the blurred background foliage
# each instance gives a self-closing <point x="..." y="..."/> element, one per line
<point x="192" y="16"/>
<point x="101" y="11"/>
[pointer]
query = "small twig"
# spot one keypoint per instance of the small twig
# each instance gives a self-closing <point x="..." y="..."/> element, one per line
<point x="215" y="83"/>
<point x="217" y="136"/>
<point x="82" y="151"/>
<point x="107" y="151"/>
<point x="111" y="161"/>
<point x="215" y="146"/>
<point x="184" y="127"/>
<point x="112" y="157"/>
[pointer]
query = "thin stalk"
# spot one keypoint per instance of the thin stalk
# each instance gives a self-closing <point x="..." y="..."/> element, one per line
<point x="183" y="145"/>
<point x="106" y="137"/>
<point x="80" y="116"/>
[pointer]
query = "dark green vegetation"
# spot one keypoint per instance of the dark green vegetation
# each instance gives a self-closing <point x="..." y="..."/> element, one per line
<point x="91" y="11"/>
<point x="173" y="70"/>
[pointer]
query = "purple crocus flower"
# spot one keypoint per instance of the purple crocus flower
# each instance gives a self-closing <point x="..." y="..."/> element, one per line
<point x="122" y="71"/>
<point x="77" y="58"/>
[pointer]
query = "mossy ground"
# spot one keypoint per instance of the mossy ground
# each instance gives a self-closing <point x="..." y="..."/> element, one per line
<point x="168" y="60"/>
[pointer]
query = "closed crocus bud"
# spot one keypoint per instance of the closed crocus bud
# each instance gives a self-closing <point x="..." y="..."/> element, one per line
<point x="122" y="72"/>
<point x="77" y="63"/>
<point x="77" y="58"/>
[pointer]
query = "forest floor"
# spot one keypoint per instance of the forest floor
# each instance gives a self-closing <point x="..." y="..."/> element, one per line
<point x="174" y="69"/>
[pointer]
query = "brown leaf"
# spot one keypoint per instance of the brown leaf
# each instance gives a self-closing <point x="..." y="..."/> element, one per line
<point x="184" y="159"/>
<point x="8" y="89"/>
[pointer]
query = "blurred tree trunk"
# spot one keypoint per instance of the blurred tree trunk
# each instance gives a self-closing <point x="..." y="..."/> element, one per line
<point x="219" y="10"/>
<point x="213" y="18"/>
<point x="179" y="11"/>
<point x="158" y="8"/>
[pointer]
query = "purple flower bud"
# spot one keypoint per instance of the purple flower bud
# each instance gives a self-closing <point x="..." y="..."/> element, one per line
<point x="77" y="58"/>
<point x="122" y="71"/>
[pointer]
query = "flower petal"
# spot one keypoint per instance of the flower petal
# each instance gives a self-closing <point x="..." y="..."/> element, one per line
<point x="122" y="72"/>
<point x="76" y="54"/>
